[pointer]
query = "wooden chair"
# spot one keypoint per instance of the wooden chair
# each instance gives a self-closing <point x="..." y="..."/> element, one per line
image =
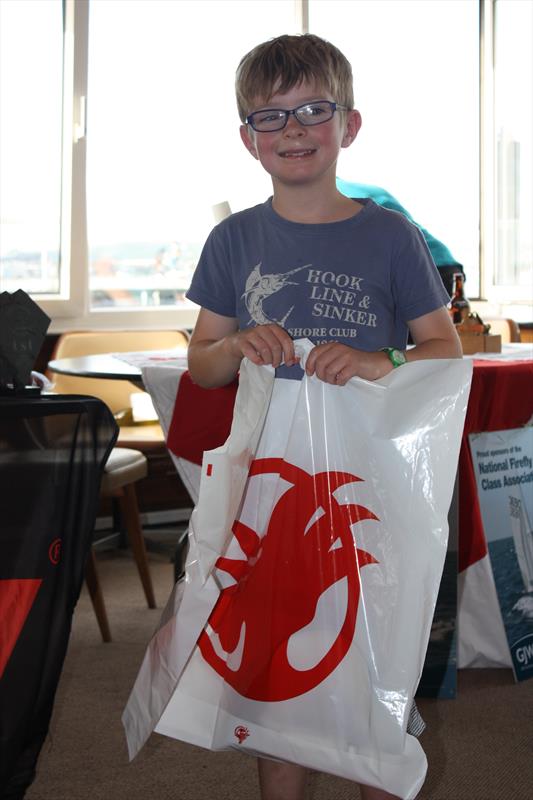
<point x="123" y="469"/>
<point x="507" y="328"/>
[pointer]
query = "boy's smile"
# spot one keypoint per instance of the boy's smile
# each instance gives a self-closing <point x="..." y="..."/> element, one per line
<point x="296" y="153"/>
<point x="301" y="154"/>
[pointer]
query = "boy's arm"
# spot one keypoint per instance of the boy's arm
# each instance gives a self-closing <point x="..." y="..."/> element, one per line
<point x="434" y="336"/>
<point x="217" y="348"/>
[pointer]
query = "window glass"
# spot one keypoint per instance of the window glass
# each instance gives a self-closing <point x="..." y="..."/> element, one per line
<point x="513" y="124"/>
<point x="163" y="140"/>
<point x="416" y="80"/>
<point x="31" y="66"/>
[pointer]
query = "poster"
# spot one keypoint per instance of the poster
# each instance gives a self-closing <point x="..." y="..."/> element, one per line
<point x="503" y="464"/>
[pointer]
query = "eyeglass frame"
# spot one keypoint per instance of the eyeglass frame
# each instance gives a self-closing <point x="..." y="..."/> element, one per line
<point x="287" y="112"/>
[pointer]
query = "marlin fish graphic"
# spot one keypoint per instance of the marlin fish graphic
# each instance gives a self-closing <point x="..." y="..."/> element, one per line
<point x="258" y="287"/>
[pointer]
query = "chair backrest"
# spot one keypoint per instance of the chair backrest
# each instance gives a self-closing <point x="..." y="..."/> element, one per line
<point x="116" y="394"/>
<point x="507" y="328"/>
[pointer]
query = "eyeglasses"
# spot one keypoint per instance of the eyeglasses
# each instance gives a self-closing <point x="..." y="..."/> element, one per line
<point x="275" y="119"/>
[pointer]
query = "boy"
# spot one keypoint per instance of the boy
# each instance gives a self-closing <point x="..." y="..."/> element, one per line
<point x="351" y="276"/>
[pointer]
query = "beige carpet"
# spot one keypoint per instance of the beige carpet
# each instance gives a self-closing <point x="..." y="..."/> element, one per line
<point x="479" y="746"/>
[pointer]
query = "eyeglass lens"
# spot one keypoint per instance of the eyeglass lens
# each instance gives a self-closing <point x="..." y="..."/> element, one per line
<point x="273" y="119"/>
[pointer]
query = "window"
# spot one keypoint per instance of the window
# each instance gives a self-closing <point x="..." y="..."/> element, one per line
<point x="103" y="213"/>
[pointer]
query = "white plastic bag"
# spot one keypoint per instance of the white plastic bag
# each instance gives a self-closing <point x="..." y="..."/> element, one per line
<point x="326" y="592"/>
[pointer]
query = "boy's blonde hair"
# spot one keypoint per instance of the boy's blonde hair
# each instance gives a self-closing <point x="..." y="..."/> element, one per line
<point x="284" y="62"/>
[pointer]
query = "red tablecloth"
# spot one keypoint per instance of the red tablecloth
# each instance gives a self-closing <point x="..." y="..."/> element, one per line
<point x="201" y="419"/>
<point x="501" y="398"/>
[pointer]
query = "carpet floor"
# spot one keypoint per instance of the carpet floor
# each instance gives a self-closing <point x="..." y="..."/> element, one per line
<point x="479" y="745"/>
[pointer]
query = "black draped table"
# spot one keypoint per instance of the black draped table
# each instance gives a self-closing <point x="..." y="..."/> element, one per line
<point x="53" y="450"/>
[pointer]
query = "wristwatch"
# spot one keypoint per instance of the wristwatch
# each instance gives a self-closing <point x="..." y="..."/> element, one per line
<point x="396" y="357"/>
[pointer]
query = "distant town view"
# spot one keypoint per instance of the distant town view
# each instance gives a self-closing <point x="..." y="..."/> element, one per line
<point x="141" y="274"/>
<point x="37" y="272"/>
<point x="128" y="274"/>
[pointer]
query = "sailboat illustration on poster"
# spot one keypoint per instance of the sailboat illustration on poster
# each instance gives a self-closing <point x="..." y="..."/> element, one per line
<point x="523" y="539"/>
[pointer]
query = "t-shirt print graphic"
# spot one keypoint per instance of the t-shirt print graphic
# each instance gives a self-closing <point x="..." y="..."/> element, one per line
<point x="259" y="287"/>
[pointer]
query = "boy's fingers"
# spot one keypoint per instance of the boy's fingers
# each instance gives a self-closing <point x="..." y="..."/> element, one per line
<point x="289" y="356"/>
<point x="261" y="346"/>
<point x="249" y="351"/>
<point x="269" y="347"/>
<point x="317" y="354"/>
<point x="281" y="346"/>
<point x="331" y="363"/>
<point x="267" y="344"/>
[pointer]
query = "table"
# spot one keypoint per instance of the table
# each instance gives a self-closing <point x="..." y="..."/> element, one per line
<point x="498" y="400"/>
<point x="53" y="451"/>
<point x="501" y="398"/>
<point x="97" y="366"/>
<point x="116" y="366"/>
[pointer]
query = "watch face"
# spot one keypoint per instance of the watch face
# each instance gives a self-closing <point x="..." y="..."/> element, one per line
<point x="398" y="357"/>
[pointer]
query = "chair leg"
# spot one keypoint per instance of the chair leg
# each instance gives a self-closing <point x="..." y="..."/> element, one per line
<point x="97" y="598"/>
<point x="130" y="515"/>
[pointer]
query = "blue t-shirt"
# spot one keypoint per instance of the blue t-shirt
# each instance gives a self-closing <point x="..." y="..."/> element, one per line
<point x="357" y="281"/>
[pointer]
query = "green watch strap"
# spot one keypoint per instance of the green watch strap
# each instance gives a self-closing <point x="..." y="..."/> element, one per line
<point x="396" y="357"/>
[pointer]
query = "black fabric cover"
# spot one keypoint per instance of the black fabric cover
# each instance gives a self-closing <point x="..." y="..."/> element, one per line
<point x="23" y="326"/>
<point x="52" y="453"/>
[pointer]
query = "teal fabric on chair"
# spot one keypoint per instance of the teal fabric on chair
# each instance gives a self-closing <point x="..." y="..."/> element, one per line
<point x="446" y="263"/>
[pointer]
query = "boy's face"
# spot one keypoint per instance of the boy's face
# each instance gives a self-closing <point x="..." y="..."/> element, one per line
<point x="301" y="154"/>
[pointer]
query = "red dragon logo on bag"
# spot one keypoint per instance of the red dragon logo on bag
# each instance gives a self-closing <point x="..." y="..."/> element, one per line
<point x="307" y="548"/>
<point x="242" y="733"/>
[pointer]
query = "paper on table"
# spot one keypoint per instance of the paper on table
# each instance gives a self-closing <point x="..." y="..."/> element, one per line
<point x="177" y="355"/>
<point x="513" y="351"/>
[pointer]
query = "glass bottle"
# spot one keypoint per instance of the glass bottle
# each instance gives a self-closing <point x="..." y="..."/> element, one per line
<point x="459" y="305"/>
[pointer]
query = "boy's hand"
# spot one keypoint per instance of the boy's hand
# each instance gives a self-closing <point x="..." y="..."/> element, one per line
<point x="264" y="344"/>
<point x="336" y="363"/>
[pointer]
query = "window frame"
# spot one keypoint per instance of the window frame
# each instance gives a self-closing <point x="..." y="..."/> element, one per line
<point x="497" y="299"/>
<point x="71" y="299"/>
